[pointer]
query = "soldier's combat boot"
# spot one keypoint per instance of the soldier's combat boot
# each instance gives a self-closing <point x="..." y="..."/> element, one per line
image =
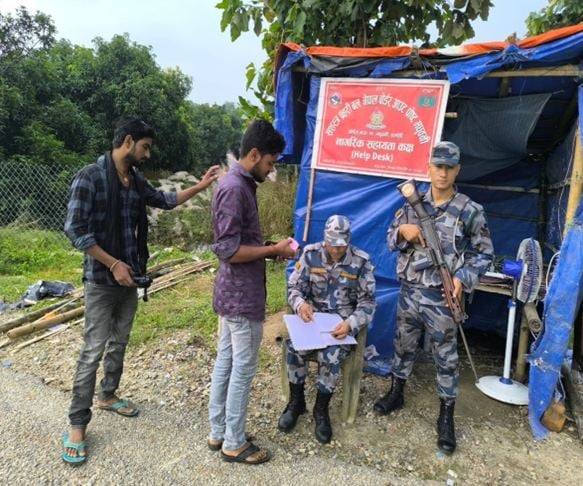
<point x="445" y="427"/>
<point x="294" y="408"/>
<point x="323" y="431"/>
<point x="393" y="400"/>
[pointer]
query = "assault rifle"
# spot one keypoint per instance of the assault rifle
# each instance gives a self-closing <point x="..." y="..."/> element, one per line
<point x="409" y="191"/>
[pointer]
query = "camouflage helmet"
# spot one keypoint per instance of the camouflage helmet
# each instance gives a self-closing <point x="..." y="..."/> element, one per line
<point x="446" y="153"/>
<point x="337" y="230"/>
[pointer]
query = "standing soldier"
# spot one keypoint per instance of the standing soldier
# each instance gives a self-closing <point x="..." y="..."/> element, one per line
<point x="333" y="277"/>
<point x="465" y="240"/>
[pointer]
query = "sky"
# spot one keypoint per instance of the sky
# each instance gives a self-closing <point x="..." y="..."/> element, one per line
<point x="187" y="34"/>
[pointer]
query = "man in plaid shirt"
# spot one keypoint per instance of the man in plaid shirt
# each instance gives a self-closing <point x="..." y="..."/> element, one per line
<point x="107" y="220"/>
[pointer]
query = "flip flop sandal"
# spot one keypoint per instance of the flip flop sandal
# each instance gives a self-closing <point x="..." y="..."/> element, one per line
<point x="217" y="446"/>
<point x="78" y="446"/>
<point x="243" y="455"/>
<point x="117" y="406"/>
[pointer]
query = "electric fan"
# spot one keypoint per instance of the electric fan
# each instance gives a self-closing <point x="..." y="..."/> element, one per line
<point x="527" y="275"/>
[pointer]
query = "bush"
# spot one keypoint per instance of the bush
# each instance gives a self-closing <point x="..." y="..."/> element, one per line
<point x="276" y="203"/>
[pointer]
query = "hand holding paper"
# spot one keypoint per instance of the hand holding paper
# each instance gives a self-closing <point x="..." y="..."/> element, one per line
<point x="341" y="330"/>
<point x="318" y="334"/>
<point x="306" y="312"/>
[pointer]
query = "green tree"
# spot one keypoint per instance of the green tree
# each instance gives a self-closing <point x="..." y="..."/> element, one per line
<point x="558" y="13"/>
<point x="215" y="129"/>
<point x="59" y="102"/>
<point x="353" y="23"/>
<point x="22" y="33"/>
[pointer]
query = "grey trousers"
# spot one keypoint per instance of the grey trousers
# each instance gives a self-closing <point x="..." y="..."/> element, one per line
<point x="109" y="314"/>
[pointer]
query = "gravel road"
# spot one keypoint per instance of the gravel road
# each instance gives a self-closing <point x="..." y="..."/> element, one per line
<point x="158" y="447"/>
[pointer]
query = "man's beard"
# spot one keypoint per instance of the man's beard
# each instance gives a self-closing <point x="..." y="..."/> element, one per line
<point x="132" y="161"/>
<point x="255" y="174"/>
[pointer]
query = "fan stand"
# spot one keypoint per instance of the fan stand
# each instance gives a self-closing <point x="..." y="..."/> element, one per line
<point x="503" y="388"/>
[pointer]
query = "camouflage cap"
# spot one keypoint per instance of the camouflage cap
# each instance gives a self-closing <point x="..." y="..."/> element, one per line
<point x="337" y="230"/>
<point x="446" y="153"/>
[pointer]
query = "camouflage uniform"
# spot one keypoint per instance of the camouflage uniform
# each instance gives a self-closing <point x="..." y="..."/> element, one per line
<point x="467" y="248"/>
<point x="346" y="288"/>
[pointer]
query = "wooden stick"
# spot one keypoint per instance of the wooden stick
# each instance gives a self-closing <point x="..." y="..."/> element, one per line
<point x="44" y="323"/>
<point x="500" y="188"/>
<point x="178" y="279"/>
<point x="170" y="284"/>
<point x="197" y="267"/>
<point x="40" y="338"/>
<point x="34" y="315"/>
<point x="576" y="189"/>
<point x="309" y="206"/>
<point x="529" y="313"/>
<point x="566" y="70"/>
<point x="166" y="264"/>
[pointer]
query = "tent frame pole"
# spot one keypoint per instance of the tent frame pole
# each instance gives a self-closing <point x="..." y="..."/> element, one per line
<point x="576" y="185"/>
<point x="309" y="206"/>
<point x="565" y="70"/>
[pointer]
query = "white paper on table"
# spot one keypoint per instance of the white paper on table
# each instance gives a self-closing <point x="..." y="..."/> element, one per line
<point x="315" y="334"/>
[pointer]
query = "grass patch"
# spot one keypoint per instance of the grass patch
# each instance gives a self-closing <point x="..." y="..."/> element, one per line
<point x="186" y="306"/>
<point x="30" y="255"/>
<point x="276" y="287"/>
<point x="189" y="306"/>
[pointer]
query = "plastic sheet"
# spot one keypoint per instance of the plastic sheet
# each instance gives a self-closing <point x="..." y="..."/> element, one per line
<point x="561" y="306"/>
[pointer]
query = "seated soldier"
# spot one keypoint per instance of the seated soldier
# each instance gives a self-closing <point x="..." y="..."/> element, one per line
<point x="333" y="277"/>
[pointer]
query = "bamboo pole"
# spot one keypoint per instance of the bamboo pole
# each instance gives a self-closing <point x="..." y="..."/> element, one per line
<point x="185" y="270"/>
<point x="576" y="189"/>
<point x="34" y="315"/>
<point x="529" y="317"/>
<point x="45" y="323"/>
<point x="566" y="70"/>
<point x="40" y="338"/>
<point x="166" y="264"/>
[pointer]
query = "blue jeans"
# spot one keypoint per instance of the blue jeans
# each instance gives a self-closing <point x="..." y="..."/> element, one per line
<point x="235" y="367"/>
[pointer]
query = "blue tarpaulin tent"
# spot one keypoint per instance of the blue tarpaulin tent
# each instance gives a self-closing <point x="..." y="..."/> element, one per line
<point x="517" y="108"/>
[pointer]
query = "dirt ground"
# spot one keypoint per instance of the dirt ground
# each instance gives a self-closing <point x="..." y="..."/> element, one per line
<point x="495" y="445"/>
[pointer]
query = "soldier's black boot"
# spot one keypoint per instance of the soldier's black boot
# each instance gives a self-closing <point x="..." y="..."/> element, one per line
<point x="393" y="400"/>
<point x="323" y="431"/>
<point x="294" y="408"/>
<point x="445" y="427"/>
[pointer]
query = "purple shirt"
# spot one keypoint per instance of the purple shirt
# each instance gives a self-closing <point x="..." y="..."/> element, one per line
<point x="239" y="287"/>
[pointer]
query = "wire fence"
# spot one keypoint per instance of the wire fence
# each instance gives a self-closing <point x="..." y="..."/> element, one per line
<point x="34" y="195"/>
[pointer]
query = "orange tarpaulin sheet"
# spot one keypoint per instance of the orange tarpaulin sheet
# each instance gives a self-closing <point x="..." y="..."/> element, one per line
<point x="463" y="50"/>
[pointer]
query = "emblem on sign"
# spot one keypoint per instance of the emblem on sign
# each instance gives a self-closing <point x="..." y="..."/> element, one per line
<point x="376" y="120"/>
<point x="335" y="99"/>
<point x="427" y="101"/>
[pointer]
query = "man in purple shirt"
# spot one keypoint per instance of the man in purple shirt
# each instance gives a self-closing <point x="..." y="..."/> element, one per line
<point x="239" y="293"/>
